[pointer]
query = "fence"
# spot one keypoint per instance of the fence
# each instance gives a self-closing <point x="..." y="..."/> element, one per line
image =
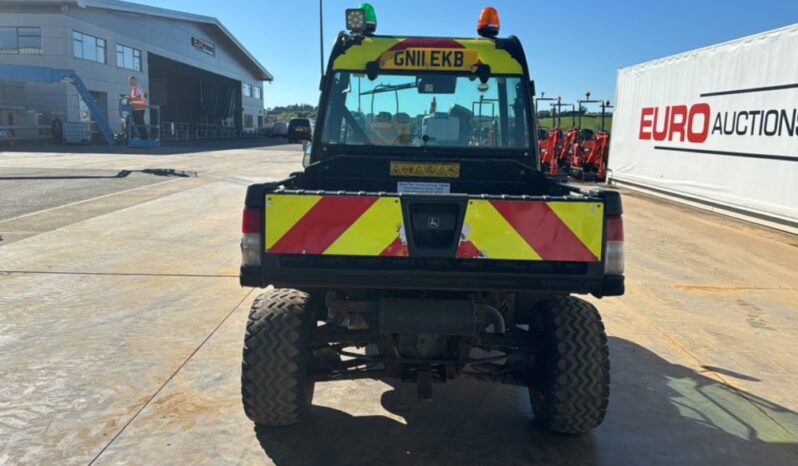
<point x="14" y="133"/>
<point x="170" y="131"/>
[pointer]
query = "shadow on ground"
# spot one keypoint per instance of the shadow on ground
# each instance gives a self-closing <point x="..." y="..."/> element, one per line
<point x="168" y="148"/>
<point x="660" y="413"/>
<point x="167" y="172"/>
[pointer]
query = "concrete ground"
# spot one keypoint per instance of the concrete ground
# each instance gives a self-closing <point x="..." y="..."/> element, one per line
<point x="121" y="323"/>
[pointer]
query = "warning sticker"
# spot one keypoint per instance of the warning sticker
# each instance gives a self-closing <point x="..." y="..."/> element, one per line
<point x="420" y="187"/>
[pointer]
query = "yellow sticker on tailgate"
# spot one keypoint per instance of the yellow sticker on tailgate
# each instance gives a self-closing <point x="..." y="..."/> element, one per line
<point x="427" y="170"/>
<point x="430" y="59"/>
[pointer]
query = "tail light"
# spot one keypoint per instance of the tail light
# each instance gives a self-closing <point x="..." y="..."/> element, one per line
<point x="614" y="258"/>
<point x="251" y="228"/>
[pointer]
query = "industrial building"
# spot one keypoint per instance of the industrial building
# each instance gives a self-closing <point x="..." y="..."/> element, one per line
<point x="203" y="79"/>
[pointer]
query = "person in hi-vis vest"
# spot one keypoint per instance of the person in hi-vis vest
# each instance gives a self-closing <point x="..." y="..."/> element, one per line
<point x="138" y="103"/>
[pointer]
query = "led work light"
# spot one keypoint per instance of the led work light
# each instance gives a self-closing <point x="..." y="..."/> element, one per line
<point x="356" y="20"/>
<point x="362" y="19"/>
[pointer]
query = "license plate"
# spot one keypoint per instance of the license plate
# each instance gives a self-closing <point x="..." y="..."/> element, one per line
<point x="437" y="59"/>
<point x="421" y="187"/>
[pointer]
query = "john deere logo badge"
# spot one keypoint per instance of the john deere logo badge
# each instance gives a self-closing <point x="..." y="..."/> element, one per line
<point x="433" y="222"/>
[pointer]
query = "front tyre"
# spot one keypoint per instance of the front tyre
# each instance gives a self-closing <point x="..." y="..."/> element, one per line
<point x="572" y="393"/>
<point x="275" y="387"/>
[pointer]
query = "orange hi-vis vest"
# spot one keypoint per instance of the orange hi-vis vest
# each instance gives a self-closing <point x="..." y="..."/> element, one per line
<point x="138" y="101"/>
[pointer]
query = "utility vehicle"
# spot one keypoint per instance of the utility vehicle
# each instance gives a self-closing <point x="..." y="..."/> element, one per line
<point x="422" y="242"/>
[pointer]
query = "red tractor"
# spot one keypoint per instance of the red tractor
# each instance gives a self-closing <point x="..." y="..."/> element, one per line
<point x="589" y="160"/>
<point x="551" y="144"/>
<point x="584" y="144"/>
<point x="594" y="165"/>
<point x="570" y="146"/>
<point x="548" y="152"/>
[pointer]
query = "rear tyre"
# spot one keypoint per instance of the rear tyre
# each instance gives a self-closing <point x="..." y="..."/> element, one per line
<point x="572" y="392"/>
<point x="275" y="387"/>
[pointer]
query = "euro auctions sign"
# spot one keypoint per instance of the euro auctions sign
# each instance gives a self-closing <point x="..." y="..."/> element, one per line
<point x="698" y="122"/>
<point x="717" y="125"/>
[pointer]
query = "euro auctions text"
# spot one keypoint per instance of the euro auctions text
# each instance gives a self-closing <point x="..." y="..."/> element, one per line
<point x="696" y="123"/>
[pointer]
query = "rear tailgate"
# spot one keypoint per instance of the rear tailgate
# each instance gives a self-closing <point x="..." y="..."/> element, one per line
<point x="346" y="225"/>
<point x="350" y="240"/>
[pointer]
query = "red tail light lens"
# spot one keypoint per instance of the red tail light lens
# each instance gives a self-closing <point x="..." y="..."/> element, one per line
<point x="251" y="226"/>
<point x="615" y="255"/>
<point x="615" y="229"/>
<point x="251" y="222"/>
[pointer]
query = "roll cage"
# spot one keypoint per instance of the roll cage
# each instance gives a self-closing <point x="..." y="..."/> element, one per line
<point x="344" y="43"/>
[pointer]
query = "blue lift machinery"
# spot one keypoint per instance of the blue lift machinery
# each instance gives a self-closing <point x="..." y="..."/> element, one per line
<point x="54" y="75"/>
<point x="129" y="128"/>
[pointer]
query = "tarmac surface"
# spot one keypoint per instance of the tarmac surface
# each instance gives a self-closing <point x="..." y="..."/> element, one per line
<point x="121" y="325"/>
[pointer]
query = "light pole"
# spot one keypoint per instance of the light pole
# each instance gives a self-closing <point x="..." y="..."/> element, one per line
<point x="321" y="36"/>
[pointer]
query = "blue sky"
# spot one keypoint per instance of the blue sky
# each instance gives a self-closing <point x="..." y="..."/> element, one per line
<point x="571" y="46"/>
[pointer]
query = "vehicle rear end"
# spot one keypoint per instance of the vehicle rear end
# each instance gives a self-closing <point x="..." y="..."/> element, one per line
<point x="280" y="128"/>
<point x="423" y="243"/>
<point x="523" y="234"/>
<point x="299" y="129"/>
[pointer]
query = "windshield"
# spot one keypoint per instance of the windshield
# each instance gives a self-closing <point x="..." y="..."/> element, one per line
<point x="433" y="110"/>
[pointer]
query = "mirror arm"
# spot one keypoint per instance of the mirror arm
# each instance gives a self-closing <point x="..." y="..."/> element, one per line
<point x="372" y="70"/>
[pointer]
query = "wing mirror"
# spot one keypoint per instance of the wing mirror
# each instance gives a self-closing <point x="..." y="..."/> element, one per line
<point x="306" y="149"/>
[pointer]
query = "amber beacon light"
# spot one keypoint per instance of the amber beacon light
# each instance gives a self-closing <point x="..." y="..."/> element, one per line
<point x="488" y="25"/>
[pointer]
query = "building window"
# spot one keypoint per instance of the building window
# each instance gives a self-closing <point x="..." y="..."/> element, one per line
<point x="88" y="47"/>
<point x="246" y="90"/>
<point x="257" y="92"/>
<point x="128" y="57"/>
<point x="26" y="40"/>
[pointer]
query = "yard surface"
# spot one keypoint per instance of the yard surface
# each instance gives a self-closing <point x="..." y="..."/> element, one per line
<point x="121" y="326"/>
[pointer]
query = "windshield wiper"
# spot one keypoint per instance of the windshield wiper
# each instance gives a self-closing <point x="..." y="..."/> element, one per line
<point x="390" y="88"/>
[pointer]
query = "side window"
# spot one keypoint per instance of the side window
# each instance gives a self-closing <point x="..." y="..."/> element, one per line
<point x="88" y="47"/>
<point x="128" y="57"/>
<point x="516" y="114"/>
<point x="22" y="40"/>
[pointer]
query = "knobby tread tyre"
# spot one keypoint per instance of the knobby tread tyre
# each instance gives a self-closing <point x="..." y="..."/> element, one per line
<point x="572" y="394"/>
<point x="275" y="387"/>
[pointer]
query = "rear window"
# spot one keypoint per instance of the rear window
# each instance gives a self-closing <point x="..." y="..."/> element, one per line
<point x="296" y="123"/>
<point x="422" y="110"/>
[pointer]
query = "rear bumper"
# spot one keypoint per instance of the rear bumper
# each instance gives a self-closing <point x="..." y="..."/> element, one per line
<point x="298" y="135"/>
<point x="557" y="278"/>
<point x="303" y="262"/>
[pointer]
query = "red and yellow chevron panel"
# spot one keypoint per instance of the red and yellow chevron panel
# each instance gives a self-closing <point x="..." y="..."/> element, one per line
<point x="534" y="231"/>
<point x="334" y="225"/>
<point x="492" y="229"/>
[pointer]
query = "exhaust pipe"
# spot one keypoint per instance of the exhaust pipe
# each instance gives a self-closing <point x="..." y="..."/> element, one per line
<point x="493" y="316"/>
<point x="437" y="317"/>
